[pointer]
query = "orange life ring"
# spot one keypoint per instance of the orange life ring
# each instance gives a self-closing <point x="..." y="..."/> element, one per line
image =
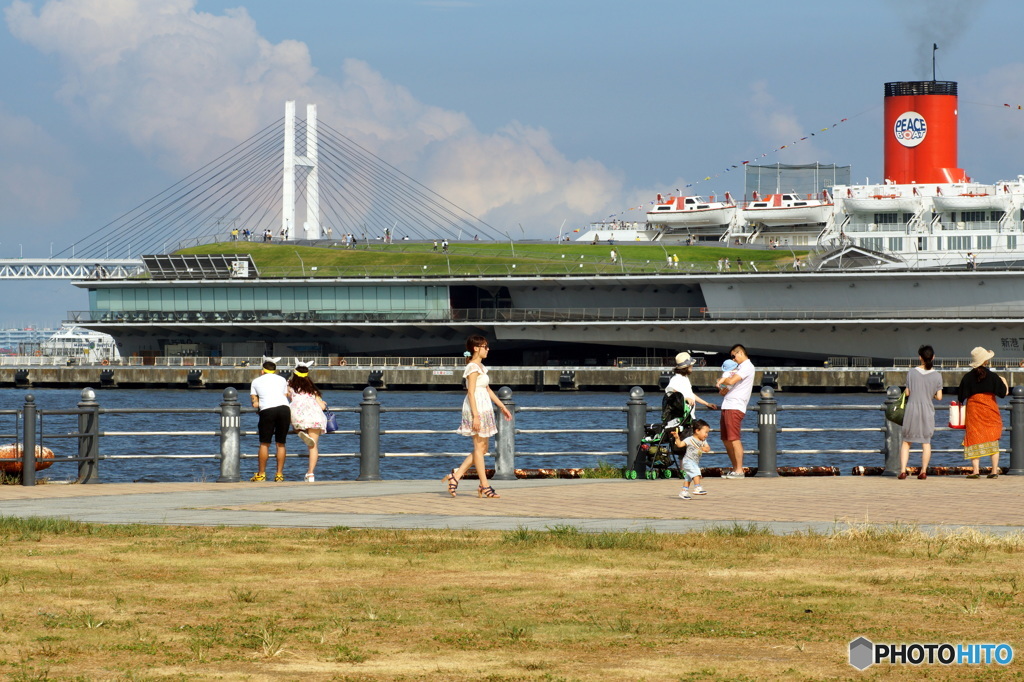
<point x="105" y="362"/>
<point x="38" y="353"/>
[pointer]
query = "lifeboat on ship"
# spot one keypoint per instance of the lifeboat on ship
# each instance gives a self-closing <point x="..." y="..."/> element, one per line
<point x="880" y="199"/>
<point x="788" y="209"/>
<point x="692" y="214"/>
<point x="973" y="198"/>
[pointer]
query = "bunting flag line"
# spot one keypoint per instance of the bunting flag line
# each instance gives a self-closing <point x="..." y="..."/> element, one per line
<point x="773" y="151"/>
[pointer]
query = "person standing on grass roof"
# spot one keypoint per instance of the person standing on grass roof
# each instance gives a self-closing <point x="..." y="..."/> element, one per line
<point x="736" y="389"/>
<point x="269" y="394"/>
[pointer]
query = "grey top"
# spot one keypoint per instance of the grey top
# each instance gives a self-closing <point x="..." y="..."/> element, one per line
<point x="919" y="419"/>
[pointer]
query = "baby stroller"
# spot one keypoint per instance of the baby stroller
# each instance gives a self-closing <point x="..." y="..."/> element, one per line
<point x="656" y="457"/>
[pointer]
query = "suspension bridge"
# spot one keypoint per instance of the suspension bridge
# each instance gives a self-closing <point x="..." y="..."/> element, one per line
<point x="288" y="169"/>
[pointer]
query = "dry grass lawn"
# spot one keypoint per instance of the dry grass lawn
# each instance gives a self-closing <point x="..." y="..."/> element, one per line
<point x="89" y="602"/>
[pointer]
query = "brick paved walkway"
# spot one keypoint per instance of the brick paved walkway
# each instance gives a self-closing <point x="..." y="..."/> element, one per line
<point x="785" y="504"/>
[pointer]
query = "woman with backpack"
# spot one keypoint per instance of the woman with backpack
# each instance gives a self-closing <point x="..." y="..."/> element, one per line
<point x="680" y="399"/>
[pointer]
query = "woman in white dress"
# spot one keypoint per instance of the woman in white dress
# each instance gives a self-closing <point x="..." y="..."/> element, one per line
<point x="477" y="417"/>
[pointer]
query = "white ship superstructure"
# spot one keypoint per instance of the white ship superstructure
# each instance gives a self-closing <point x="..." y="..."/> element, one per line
<point x="932" y="225"/>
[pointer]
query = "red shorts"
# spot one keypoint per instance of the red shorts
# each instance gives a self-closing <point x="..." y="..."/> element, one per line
<point x="731" y="420"/>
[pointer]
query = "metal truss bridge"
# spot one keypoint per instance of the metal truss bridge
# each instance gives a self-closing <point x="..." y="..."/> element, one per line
<point x="70" y="268"/>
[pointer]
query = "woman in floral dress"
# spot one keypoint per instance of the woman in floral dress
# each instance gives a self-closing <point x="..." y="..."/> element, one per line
<point x="477" y="417"/>
<point x="307" y="405"/>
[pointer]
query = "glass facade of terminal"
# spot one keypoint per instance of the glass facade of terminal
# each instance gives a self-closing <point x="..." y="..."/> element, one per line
<point x="284" y="299"/>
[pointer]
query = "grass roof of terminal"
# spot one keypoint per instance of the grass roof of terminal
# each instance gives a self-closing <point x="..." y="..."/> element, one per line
<point x="407" y="258"/>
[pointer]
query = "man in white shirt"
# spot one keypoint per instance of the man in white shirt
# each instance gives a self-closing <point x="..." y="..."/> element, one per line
<point x="736" y="389"/>
<point x="269" y="394"/>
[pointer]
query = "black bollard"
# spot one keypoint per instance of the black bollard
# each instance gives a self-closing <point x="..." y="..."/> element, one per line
<point x="88" y="438"/>
<point x="505" y="443"/>
<point x="1016" y="432"/>
<point x="893" y="434"/>
<point x="230" y="437"/>
<point x="369" y="436"/>
<point x="636" y="417"/>
<point x="767" y="430"/>
<point x="28" y="442"/>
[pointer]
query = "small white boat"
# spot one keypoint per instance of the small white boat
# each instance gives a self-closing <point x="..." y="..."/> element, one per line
<point x="788" y="209"/>
<point x="72" y="341"/>
<point x="691" y="213"/>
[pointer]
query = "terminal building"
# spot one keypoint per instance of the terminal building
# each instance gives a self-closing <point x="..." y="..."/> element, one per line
<point x="198" y="307"/>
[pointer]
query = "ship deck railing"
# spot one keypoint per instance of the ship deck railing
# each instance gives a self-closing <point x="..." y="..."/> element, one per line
<point x="833" y="363"/>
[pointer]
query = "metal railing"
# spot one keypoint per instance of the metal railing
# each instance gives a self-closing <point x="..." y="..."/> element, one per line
<point x="960" y="363"/>
<point x="442" y="361"/>
<point x="539" y="315"/>
<point x="89" y="434"/>
<point x="230" y="361"/>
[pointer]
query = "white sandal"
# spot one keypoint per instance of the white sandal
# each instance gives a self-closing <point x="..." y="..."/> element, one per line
<point x="309" y="478"/>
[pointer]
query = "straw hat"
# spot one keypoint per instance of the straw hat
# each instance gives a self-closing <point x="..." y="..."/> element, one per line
<point x="979" y="356"/>
<point x="684" y="360"/>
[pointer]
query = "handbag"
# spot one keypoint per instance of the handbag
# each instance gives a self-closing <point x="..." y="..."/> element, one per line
<point x="895" y="411"/>
<point x="332" y="422"/>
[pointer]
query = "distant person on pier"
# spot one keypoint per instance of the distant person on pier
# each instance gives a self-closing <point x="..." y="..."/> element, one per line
<point x="924" y="385"/>
<point x="477" y="417"/>
<point x="736" y="389"/>
<point x="269" y="394"/>
<point x="978" y="390"/>
<point x="307" y="411"/>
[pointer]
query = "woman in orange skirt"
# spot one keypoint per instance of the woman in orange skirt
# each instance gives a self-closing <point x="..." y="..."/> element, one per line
<point x="978" y="390"/>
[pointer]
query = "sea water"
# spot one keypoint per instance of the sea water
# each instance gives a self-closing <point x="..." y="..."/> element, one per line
<point x="426" y="456"/>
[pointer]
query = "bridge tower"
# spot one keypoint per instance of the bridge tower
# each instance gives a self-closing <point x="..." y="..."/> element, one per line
<point x="311" y="226"/>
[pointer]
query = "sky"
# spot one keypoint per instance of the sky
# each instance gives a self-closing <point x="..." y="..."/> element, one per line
<point x="532" y="113"/>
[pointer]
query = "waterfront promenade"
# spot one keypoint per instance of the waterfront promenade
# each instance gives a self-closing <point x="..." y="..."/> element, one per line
<point x="785" y="505"/>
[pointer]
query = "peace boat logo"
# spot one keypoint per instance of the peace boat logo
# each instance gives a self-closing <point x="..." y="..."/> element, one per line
<point x="910" y="129"/>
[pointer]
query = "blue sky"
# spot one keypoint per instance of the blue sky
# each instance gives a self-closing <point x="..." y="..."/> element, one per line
<point x="522" y="111"/>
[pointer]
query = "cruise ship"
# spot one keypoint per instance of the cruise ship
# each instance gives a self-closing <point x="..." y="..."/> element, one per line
<point x="928" y="255"/>
<point x="926" y="213"/>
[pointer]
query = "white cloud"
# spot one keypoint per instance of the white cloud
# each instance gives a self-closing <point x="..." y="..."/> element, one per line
<point x="35" y="188"/>
<point x="183" y="85"/>
<point x="778" y="125"/>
